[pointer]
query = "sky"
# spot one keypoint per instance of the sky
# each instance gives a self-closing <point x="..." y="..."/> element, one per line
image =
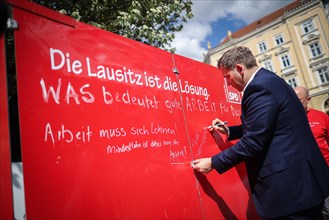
<point x="213" y="18"/>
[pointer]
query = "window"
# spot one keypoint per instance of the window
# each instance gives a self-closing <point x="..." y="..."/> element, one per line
<point x="268" y="65"/>
<point x="307" y="26"/>
<point x="292" y="82"/>
<point x="262" y="47"/>
<point x="315" y="49"/>
<point x="278" y="39"/>
<point x="326" y="106"/>
<point x="324" y="74"/>
<point x="285" y="61"/>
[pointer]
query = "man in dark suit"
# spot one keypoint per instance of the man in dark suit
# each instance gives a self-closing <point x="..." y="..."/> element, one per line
<point x="287" y="174"/>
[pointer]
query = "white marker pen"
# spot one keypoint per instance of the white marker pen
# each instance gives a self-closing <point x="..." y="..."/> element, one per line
<point x="218" y="124"/>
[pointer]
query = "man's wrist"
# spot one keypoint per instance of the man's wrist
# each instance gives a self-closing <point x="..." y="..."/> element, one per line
<point x="212" y="167"/>
<point x="228" y="131"/>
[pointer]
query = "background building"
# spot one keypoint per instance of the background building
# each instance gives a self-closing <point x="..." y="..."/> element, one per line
<point x="293" y="42"/>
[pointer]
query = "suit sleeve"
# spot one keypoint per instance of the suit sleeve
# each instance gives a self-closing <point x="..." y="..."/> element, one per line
<point x="235" y="132"/>
<point x="260" y="112"/>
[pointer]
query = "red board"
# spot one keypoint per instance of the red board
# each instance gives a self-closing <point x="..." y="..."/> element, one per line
<point x="108" y="129"/>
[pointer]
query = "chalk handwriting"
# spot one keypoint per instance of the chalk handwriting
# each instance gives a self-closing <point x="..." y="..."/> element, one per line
<point x="153" y="128"/>
<point x="199" y="141"/>
<point x="157" y="129"/>
<point x="229" y="108"/>
<point x="71" y="94"/>
<point x="67" y="135"/>
<point x="135" y="145"/>
<point x="115" y="149"/>
<point x="223" y="108"/>
<point x="176" y="155"/>
<point x="155" y="144"/>
<point x="145" y="101"/>
<point x="173" y="105"/>
<point x="112" y="132"/>
<point x="139" y="130"/>
<point x="235" y="112"/>
<point x="128" y="99"/>
<point x="200" y="105"/>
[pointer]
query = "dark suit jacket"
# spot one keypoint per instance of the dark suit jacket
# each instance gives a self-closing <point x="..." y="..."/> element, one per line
<point x="286" y="170"/>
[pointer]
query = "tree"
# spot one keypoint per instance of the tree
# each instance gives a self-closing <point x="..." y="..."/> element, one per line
<point x="153" y="22"/>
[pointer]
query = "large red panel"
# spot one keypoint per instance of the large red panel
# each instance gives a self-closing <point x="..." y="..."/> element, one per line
<point x="107" y="132"/>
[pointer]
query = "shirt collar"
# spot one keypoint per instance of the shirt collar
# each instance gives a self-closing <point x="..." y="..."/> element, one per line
<point x="251" y="78"/>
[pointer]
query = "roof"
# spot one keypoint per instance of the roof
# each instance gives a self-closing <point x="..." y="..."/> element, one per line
<point x="262" y="21"/>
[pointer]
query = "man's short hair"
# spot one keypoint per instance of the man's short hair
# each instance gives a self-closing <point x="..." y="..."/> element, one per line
<point x="242" y="55"/>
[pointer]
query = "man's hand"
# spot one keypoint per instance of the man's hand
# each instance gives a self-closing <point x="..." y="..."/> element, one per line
<point x="202" y="165"/>
<point x="222" y="128"/>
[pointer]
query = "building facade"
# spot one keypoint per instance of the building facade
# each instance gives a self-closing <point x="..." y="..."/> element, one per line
<point x="293" y="42"/>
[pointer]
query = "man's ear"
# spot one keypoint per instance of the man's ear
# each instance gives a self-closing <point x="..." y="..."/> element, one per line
<point x="239" y="68"/>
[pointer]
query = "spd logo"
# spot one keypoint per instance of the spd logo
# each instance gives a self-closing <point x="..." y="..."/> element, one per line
<point x="232" y="95"/>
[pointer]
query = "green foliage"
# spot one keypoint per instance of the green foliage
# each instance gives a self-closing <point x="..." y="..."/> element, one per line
<point x="153" y="22"/>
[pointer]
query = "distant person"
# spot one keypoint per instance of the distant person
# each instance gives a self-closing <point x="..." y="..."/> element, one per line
<point x="3" y="16"/>
<point x="288" y="176"/>
<point x="319" y="123"/>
